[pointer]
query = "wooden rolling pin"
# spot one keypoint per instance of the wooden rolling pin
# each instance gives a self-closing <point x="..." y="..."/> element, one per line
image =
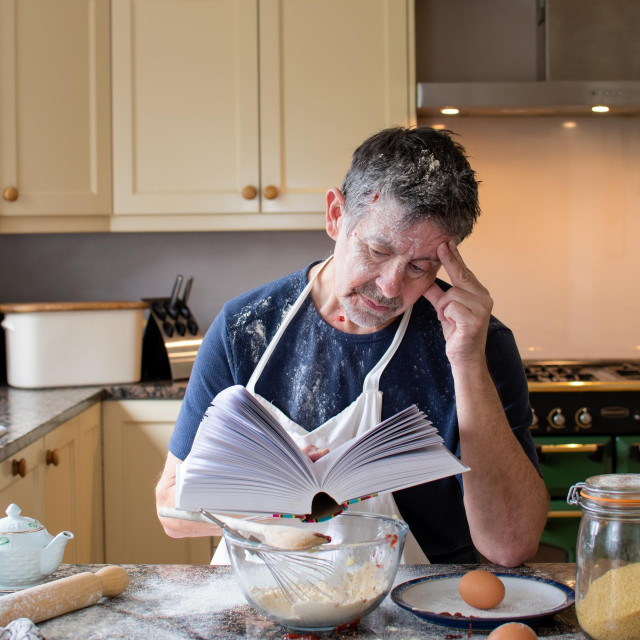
<point x="62" y="596"/>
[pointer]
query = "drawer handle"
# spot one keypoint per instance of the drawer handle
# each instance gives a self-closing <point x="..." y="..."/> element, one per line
<point x="596" y="450"/>
<point x="10" y="194"/>
<point x="53" y="457"/>
<point x="19" y="467"/>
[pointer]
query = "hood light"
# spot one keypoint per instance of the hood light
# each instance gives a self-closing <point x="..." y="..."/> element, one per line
<point x="449" y="111"/>
<point x="600" y="109"/>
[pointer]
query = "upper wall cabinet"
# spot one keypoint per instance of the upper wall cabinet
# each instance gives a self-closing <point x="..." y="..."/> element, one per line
<point x="240" y="115"/>
<point x="55" y="120"/>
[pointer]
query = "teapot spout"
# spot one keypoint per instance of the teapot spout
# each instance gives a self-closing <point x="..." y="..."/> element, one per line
<point x="51" y="555"/>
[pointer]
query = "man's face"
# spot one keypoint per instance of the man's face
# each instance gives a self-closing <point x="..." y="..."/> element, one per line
<point x="381" y="266"/>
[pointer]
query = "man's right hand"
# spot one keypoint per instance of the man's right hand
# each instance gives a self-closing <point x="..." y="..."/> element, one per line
<point x="166" y="497"/>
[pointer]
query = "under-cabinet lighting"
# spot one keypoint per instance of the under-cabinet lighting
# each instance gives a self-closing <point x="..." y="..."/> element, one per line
<point x="438" y="127"/>
<point x="449" y="111"/>
<point x="600" y="109"/>
<point x="569" y="124"/>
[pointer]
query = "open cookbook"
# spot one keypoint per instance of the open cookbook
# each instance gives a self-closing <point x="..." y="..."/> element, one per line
<point x="244" y="462"/>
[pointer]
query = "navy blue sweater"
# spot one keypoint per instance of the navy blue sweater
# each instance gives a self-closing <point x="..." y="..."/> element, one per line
<point x="316" y="371"/>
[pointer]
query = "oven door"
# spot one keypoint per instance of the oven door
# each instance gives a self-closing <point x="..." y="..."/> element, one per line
<point x="628" y="454"/>
<point x="564" y="461"/>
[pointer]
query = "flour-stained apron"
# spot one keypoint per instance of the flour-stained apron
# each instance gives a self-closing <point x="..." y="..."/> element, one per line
<point x="361" y="415"/>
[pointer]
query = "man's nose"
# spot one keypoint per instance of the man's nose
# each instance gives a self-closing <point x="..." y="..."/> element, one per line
<point x="390" y="279"/>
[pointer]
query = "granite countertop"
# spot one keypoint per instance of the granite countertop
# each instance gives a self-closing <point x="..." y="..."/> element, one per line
<point x="29" y="414"/>
<point x="176" y="602"/>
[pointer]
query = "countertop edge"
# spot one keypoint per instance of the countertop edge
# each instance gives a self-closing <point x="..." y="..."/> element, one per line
<point x="22" y="441"/>
<point x="30" y="414"/>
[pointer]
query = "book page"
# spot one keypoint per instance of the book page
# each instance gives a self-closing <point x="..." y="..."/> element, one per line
<point x="401" y="451"/>
<point x="242" y="461"/>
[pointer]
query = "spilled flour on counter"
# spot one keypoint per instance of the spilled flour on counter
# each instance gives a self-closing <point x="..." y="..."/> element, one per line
<point x="218" y="594"/>
<point x="323" y="602"/>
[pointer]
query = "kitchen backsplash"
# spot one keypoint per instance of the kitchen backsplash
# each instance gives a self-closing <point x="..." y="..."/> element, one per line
<point x="556" y="244"/>
<point x="110" y="266"/>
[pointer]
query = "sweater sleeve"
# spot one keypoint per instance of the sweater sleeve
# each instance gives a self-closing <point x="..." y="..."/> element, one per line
<point x="509" y="377"/>
<point x="212" y="372"/>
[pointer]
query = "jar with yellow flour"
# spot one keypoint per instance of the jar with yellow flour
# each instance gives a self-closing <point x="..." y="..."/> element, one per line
<point x="608" y="556"/>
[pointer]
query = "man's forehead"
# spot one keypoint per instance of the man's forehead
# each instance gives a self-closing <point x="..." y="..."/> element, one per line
<point x="398" y="235"/>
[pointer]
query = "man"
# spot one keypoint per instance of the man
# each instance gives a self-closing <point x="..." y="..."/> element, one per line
<point x="335" y="347"/>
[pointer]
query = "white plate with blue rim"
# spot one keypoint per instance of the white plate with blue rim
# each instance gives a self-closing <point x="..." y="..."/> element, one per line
<point x="528" y="599"/>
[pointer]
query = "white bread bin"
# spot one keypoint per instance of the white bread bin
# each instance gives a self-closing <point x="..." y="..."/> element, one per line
<point x="62" y="344"/>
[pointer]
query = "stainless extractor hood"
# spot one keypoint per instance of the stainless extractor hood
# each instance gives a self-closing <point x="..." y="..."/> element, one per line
<point x="548" y="97"/>
<point x="592" y="58"/>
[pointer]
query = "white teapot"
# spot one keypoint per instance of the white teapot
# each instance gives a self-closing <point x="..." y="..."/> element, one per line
<point x="28" y="552"/>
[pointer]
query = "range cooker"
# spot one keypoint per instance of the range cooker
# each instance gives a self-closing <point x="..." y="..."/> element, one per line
<point x="586" y="422"/>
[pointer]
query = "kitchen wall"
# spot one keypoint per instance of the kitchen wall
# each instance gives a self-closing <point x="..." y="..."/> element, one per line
<point x="120" y="266"/>
<point x="556" y="244"/>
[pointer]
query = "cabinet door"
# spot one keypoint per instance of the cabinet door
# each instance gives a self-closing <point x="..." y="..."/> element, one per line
<point x="136" y="437"/>
<point x="55" y="118"/>
<point x="185" y="106"/>
<point x="332" y="72"/>
<point x="26" y="491"/>
<point x="60" y="485"/>
<point x="73" y="486"/>
<point x="90" y="488"/>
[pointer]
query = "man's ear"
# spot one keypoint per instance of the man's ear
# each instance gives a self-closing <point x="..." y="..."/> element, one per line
<point x="335" y="213"/>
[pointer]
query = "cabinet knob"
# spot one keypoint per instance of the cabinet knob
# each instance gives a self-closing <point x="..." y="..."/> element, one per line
<point x="249" y="192"/>
<point x="53" y="457"/>
<point x="19" y="467"/>
<point x="271" y="192"/>
<point x="10" y="194"/>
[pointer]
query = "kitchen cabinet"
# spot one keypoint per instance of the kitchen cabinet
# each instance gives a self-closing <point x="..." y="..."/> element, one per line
<point x="73" y="485"/>
<point x="240" y="115"/>
<point x="136" y="437"/>
<point x="55" y="116"/>
<point x="58" y="480"/>
<point x="22" y="481"/>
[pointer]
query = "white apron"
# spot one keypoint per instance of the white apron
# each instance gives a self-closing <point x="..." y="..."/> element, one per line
<point x="361" y="415"/>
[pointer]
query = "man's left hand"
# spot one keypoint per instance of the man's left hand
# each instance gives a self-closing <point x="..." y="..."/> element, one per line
<point x="463" y="310"/>
<point x="313" y="452"/>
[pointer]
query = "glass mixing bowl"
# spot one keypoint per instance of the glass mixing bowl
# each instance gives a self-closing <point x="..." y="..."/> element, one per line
<point x="333" y="584"/>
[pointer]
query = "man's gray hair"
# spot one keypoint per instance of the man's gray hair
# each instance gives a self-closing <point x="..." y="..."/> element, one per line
<point x="422" y="169"/>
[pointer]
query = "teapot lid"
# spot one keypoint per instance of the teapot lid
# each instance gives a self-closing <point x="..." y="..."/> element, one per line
<point x="15" y="523"/>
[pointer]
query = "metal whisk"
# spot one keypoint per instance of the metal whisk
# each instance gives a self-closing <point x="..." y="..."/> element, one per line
<point x="297" y="574"/>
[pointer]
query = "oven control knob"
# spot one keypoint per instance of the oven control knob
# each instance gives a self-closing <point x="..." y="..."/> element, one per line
<point x="636" y="416"/>
<point x="534" y="421"/>
<point x="556" y="418"/>
<point x="583" y="418"/>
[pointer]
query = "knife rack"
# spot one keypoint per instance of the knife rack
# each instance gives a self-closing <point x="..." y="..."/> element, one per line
<point x="171" y="338"/>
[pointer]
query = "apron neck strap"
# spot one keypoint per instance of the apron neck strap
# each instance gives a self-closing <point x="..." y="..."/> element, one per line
<point x="372" y="379"/>
<point x="281" y="329"/>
